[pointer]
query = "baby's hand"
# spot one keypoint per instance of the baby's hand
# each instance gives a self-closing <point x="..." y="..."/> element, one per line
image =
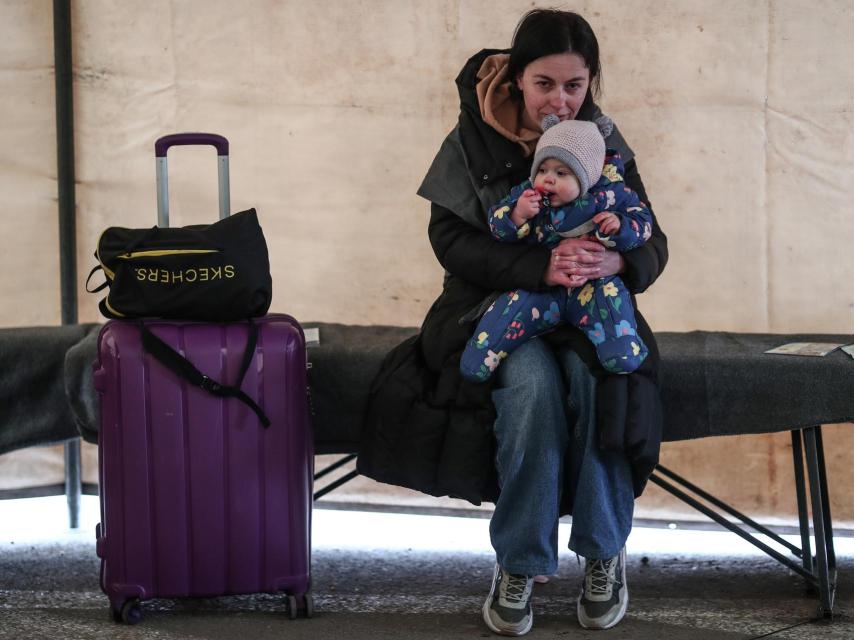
<point x="608" y="222"/>
<point x="527" y="206"/>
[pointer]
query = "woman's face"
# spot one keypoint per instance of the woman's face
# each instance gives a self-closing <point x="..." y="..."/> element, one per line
<point x="554" y="84"/>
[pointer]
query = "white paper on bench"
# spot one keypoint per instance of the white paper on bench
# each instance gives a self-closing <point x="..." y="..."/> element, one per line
<point x="312" y="336"/>
<point x="805" y="348"/>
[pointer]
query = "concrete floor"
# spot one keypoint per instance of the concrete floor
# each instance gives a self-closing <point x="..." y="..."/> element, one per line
<point x="49" y="589"/>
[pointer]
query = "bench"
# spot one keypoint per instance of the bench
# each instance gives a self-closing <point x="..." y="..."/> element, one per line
<point x="713" y="384"/>
<point x="33" y="402"/>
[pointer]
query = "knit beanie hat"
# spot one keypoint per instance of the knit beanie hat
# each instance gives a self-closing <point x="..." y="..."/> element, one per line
<point x="577" y="143"/>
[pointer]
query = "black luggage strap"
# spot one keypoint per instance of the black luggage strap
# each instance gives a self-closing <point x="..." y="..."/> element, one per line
<point x="182" y="367"/>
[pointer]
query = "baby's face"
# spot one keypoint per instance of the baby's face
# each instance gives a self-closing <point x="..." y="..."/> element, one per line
<point x="558" y="181"/>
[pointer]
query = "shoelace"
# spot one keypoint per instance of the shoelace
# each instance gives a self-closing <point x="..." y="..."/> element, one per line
<point x="600" y="575"/>
<point x="517" y="587"/>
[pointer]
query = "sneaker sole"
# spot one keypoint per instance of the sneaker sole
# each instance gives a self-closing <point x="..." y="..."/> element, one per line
<point x="504" y="632"/>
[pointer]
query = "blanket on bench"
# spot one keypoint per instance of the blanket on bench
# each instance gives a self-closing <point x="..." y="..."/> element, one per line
<point x="713" y="383"/>
<point x="33" y="403"/>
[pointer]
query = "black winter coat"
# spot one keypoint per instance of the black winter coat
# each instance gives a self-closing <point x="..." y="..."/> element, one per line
<point x="427" y="428"/>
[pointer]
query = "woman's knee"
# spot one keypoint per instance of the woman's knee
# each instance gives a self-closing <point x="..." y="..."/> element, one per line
<point x="576" y="370"/>
<point x="532" y="372"/>
<point x="531" y="428"/>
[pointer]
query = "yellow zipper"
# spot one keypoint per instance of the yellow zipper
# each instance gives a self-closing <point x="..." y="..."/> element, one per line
<point x="162" y="252"/>
<point x="152" y="252"/>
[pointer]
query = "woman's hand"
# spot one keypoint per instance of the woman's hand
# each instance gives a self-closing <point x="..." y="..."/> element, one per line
<point x="576" y="260"/>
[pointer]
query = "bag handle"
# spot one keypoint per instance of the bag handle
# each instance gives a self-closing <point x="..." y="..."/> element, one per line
<point x="161" y="145"/>
<point x="102" y="286"/>
<point x="183" y="368"/>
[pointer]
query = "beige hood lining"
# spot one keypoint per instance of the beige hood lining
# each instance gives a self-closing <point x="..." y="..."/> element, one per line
<point x="498" y="108"/>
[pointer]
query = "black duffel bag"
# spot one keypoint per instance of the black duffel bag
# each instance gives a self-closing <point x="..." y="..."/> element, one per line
<point x="216" y="272"/>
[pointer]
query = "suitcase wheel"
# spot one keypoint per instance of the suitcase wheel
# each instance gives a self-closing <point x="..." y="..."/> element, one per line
<point x="291" y="606"/>
<point x="129" y="613"/>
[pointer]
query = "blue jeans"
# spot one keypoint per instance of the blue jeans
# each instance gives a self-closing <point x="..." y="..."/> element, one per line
<point x="545" y="403"/>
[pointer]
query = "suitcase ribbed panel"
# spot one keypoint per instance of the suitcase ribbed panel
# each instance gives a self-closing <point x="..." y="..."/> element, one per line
<point x="167" y="474"/>
<point x="208" y="430"/>
<point x="198" y="499"/>
<point x="244" y="489"/>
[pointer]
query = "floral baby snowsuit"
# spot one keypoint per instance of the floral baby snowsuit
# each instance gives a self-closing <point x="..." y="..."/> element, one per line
<point x="602" y="308"/>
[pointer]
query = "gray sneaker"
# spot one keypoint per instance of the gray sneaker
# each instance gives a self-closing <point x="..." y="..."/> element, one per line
<point x="507" y="610"/>
<point x="604" y="595"/>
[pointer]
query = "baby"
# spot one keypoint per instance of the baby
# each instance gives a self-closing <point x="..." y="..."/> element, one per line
<point x="575" y="190"/>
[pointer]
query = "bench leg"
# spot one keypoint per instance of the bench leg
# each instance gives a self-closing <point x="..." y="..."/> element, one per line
<point x="73" y="484"/>
<point x="825" y="501"/>
<point x="825" y="556"/>
<point x="803" y="509"/>
<point x="819" y="571"/>
<point x="337" y="483"/>
<point x="726" y="524"/>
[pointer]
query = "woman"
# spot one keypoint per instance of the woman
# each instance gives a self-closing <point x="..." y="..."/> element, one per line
<point x="532" y="432"/>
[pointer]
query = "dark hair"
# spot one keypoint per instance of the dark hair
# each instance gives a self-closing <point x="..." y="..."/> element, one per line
<point x="545" y="32"/>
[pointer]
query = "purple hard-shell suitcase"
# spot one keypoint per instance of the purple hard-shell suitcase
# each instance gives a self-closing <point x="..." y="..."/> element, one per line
<point x="198" y="498"/>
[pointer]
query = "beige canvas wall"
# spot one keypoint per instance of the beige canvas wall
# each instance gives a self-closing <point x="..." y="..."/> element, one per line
<point x="739" y="113"/>
<point x="29" y="254"/>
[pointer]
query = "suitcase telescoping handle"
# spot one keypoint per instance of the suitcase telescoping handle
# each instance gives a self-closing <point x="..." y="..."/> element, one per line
<point x="161" y="147"/>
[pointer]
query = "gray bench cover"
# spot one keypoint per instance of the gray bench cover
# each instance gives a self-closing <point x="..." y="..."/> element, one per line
<point x="713" y="383"/>
<point x="33" y="404"/>
<point x="716" y="384"/>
